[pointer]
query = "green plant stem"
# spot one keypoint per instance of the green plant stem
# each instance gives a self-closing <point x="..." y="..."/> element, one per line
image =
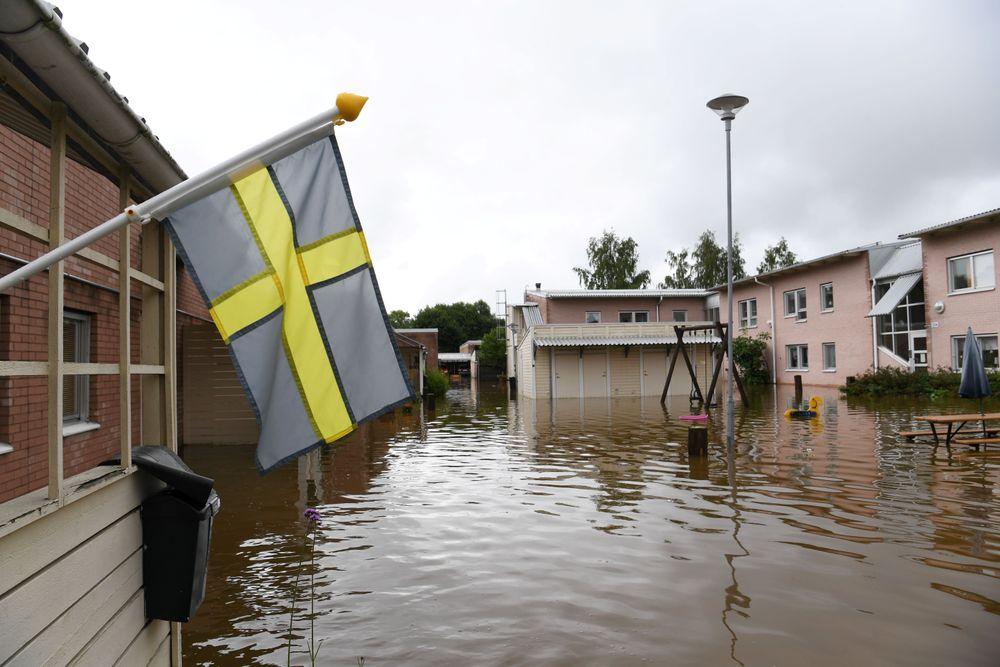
<point x="291" y="614"/>
<point x="313" y="649"/>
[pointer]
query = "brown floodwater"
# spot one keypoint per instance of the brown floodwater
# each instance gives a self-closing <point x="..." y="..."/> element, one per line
<point x="502" y="532"/>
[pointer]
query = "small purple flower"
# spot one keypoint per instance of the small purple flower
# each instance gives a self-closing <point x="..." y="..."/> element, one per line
<point x="311" y="514"/>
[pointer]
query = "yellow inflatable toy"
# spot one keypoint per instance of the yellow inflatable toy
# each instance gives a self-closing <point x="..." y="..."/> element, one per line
<point x="813" y="410"/>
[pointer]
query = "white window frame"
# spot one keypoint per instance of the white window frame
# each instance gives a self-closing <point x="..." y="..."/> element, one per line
<point x="586" y="317"/>
<point x="972" y="272"/>
<point x="632" y="314"/>
<point x="955" y="340"/>
<point x="788" y="357"/>
<point x="800" y="312"/>
<point x="82" y="412"/>
<point x="684" y="315"/>
<point x="824" y="347"/>
<point x="746" y="320"/>
<point x="822" y="306"/>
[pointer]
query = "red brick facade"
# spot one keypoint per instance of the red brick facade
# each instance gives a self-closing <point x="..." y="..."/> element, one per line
<point x="90" y="289"/>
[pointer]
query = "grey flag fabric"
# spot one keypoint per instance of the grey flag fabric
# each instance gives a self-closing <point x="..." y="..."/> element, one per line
<point x="282" y="262"/>
<point x="975" y="383"/>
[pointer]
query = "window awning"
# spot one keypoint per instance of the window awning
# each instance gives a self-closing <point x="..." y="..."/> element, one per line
<point x="897" y="292"/>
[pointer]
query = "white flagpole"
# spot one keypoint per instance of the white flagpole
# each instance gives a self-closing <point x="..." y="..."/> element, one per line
<point x="222" y="175"/>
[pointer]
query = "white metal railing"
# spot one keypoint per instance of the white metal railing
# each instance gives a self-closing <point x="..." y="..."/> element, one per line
<point x="618" y="329"/>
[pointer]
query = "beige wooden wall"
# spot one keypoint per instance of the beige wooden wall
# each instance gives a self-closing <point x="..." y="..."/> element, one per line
<point x="216" y="410"/>
<point x="71" y="584"/>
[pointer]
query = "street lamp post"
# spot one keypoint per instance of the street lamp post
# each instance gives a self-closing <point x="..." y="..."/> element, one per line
<point x="727" y="106"/>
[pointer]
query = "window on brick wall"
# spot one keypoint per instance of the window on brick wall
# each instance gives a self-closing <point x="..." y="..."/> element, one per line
<point x="76" y="348"/>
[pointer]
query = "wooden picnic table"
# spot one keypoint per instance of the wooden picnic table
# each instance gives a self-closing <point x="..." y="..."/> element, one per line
<point x="955" y="423"/>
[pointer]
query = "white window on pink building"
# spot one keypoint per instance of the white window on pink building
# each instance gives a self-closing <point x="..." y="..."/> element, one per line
<point x="826" y="297"/>
<point x="593" y="317"/>
<point x="680" y="316"/>
<point x="633" y="316"/>
<point x="797" y="357"/>
<point x="988" y="343"/>
<point x="795" y="303"/>
<point x="829" y="356"/>
<point x="971" y="272"/>
<point x="748" y="313"/>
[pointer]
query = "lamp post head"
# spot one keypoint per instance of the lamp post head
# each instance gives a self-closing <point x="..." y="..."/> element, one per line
<point x="727" y="106"/>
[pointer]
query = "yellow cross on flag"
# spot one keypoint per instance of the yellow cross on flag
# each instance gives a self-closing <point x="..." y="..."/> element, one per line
<point x="281" y="260"/>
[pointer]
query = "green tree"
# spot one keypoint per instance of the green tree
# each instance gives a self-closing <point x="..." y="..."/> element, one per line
<point x="493" y="351"/>
<point x="681" y="275"/>
<point x="705" y="266"/>
<point x="777" y="256"/>
<point x="400" y="319"/>
<point x="613" y="263"/>
<point x="750" y="357"/>
<point x="456" y="322"/>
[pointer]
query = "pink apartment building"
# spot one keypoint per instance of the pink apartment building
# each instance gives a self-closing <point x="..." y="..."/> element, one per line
<point x="904" y="304"/>
<point x="960" y="275"/>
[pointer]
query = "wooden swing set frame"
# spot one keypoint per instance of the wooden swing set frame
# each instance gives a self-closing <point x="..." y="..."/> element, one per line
<point x="718" y="351"/>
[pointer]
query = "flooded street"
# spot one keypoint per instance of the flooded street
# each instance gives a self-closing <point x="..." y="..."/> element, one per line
<point x="499" y="532"/>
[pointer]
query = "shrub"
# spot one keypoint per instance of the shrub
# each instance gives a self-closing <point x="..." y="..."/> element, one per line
<point x="750" y="357"/>
<point x="436" y="381"/>
<point x="900" y="382"/>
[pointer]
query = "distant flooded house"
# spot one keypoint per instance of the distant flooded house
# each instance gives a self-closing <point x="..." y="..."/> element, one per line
<point x="598" y="343"/>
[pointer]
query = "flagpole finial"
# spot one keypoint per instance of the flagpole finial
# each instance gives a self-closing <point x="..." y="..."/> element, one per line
<point x="349" y="105"/>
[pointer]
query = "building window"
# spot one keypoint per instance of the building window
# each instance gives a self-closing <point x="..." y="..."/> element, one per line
<point x="712" y="314"/>
<point x="894" y="329"/>
<point x="829" y="357"/>
<point x="795" y="304"/>
<point x="826" y="297"/>
<point x="76" y="348"/>
<point x="633" y="316"/>
<point x="988" y="345"/>
<point x="747" y="313"/>
<point x="797" y="357"/>
<point x="680" y="316"/>
<point x="971" y="272"/>
<point x="593" y="317"/>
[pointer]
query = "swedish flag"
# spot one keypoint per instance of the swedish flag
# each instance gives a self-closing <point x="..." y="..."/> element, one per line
<point x="281" y="260"/>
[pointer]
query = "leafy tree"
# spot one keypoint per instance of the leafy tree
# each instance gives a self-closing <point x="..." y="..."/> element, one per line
<point x="493" y="351"/>
<point x="777" y="256"/>
<point x="681" y="274"/>
<point x="456" y="322"/>
<point x="613" y="264"/>
<point x="400" y="319"/>
<point x="750" y="356"/>
<point x="705" y="266"/>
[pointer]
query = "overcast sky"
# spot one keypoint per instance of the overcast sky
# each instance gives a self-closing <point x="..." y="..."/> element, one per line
<point x="500" y="136"/>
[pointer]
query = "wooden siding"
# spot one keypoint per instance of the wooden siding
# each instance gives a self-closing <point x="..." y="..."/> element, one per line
<point x="216" y="410"/>
<point x="71" y="584"/>
<point x="625" y="372"/>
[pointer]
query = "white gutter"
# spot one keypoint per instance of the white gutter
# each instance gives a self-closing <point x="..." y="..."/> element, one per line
<point x="33" y="30"/>
<point x="774" y="332"/>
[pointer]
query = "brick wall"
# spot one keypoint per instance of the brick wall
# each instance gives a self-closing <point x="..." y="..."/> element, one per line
<point x="90" y="289"/>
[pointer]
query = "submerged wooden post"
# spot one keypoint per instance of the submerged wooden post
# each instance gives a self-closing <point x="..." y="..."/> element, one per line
<point x="697" y="441"/>
<point x="798" y="390"/>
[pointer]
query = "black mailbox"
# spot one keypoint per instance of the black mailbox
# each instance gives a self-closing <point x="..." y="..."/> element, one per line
<point x="176" y="535"/>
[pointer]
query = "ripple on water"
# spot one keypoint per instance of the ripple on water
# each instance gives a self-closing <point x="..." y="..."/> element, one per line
<point x="577" y="532"/>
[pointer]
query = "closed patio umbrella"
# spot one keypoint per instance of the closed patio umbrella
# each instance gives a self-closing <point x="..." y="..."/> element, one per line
<point x="974" y="382"/>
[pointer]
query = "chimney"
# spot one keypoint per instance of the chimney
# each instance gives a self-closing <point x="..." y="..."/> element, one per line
<point x="538" y="286"/>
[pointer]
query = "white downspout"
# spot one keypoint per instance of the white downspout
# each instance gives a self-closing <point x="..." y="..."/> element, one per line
<point x="874" y="330"/>
<point x="774" y="332"/>
<point x="658" y="309"/>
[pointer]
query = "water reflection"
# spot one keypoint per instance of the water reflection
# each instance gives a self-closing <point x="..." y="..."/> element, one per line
<point x="500" y="532"/>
